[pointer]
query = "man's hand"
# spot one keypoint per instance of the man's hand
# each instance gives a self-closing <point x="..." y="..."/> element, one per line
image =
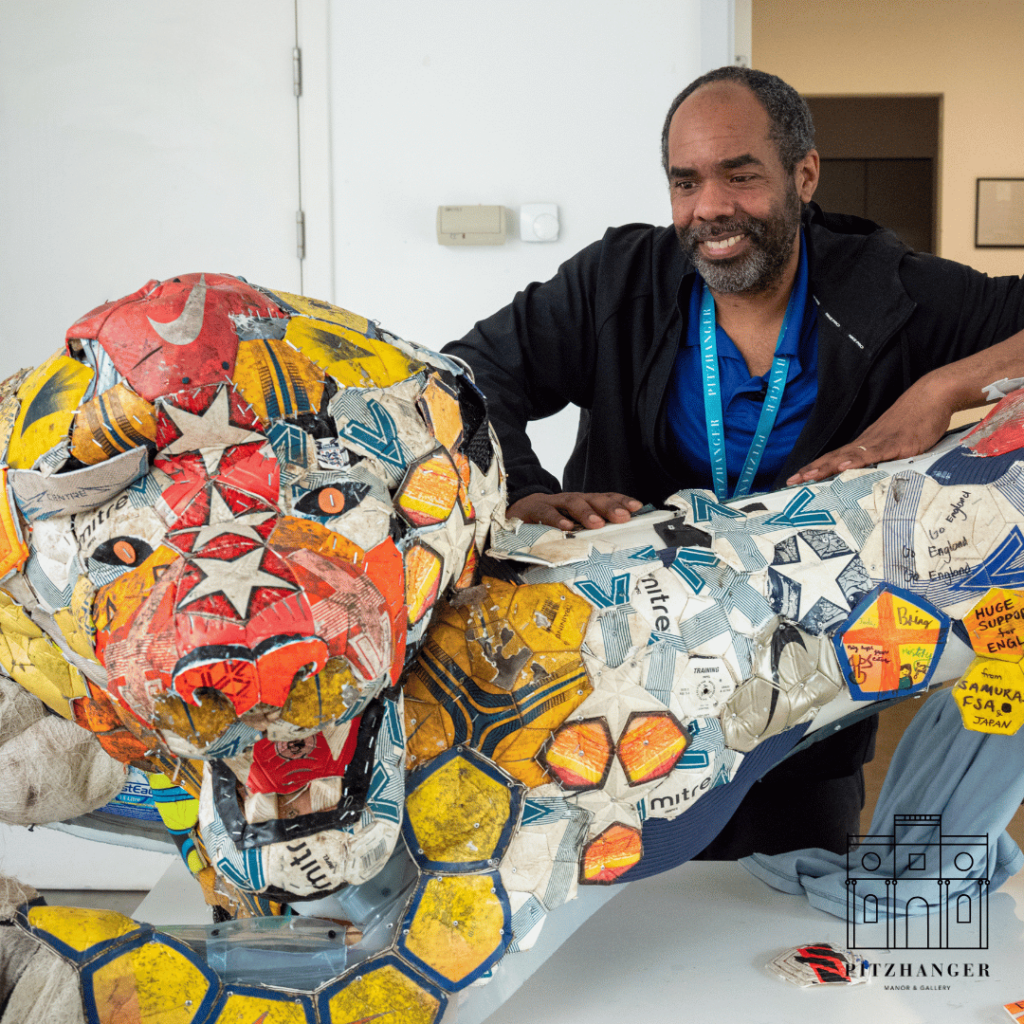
<point x="911" y="426"/>
<point x="571" y="509"/>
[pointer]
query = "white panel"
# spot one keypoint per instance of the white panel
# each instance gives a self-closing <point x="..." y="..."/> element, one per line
<point x="140" y="140"/>
<point x="497" y="103"/>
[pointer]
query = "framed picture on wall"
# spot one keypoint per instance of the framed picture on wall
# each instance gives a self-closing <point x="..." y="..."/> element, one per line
<point x="999" y="214"/>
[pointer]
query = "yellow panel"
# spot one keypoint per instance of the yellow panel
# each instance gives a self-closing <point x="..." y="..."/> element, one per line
<point x="321" y="310"/>
<point x="34" y="661"/>
<point x="385" y="994"/>
<point x="457" y="925"/>
<point x="198" y="724"/>
<point x="996" y="625"/>
<point x="991" y="697"/>
<point x="75" y="621"/>
<point x="151" y="983"/>
<point x="80" y="928"/>
<point x="13" y="549"/>
<point x="276" y="379"/>
<point x="318" y="699"/>
<point x="245" y="1009"/>
<point x="458" y="812"/>
<point x="8" y="414"/>
<point x="112" y="423"/>
<point x="550" y="617"/>
<point x="49" y="398"/>
<point x="352" y="358"/>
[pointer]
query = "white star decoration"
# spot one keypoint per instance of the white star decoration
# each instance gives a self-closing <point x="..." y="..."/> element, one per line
<point x="817" y="576"/>
<point x="209" y="433"/>
<point x="235" y="579"/>
<point x="223" y="521"/>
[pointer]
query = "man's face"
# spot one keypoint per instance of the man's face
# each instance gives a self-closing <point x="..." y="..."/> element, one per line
<point x="735" y="209"/>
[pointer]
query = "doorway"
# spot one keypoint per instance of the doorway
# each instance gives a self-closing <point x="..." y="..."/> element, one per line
<point x="879" y="159"/>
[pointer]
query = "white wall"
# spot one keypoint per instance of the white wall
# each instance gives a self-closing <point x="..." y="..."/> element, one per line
<point x="139" y="140"/>
<point x="483" y="101"/>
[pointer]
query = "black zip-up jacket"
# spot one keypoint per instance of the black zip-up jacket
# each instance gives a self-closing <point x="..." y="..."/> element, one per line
<point x="603" y="334"/>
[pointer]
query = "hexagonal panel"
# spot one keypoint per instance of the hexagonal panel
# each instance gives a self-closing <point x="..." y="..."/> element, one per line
<point x="457" y="927"/>
<point x="991" y="696"/>
<point x="611" y="854"/>
<point x="650" y="746"/>
<point x="159" y="979"/>
<point x="460" y="812"/>
<point x="996" y="625"/>
<point x="384" y="988"/>
<point x="579" y="754"/>
<point x="429" y="490"/>
<point x="890" y="644"/>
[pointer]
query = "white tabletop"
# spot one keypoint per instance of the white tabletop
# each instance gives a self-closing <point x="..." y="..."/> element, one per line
<point x="690" y="946"/>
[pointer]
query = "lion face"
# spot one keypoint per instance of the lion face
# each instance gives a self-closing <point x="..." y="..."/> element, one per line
<point x="234" y="511"/>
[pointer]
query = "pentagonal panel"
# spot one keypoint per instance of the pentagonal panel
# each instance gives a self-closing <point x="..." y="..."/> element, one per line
<point x="460" y="812"/>
<point x="429" y="490"/>
<point x="890" y="644"/>
<point x="457" y="927"/>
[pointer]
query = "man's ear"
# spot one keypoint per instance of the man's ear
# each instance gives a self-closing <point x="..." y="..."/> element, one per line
<point x="806" y="174"/>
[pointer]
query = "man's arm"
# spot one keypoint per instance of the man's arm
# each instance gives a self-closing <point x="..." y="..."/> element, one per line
<point x="966" y="332"/>
<point x="920" y="417"/>
<point x="530" y="360"/>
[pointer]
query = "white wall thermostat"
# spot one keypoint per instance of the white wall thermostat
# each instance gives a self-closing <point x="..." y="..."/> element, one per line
<point x="471" y="225"/>
<point x="538" y="222"/>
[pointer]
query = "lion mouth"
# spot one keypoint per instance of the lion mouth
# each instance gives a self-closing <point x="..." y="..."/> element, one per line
<point x="284" y="791"/>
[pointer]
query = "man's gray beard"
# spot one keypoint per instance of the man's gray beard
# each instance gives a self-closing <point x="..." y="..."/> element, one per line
<point x="762" y="266"/>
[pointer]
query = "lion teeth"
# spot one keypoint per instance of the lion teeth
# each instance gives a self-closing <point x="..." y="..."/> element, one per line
<point x="260" y="807"/>
<point x="324" y="793"/>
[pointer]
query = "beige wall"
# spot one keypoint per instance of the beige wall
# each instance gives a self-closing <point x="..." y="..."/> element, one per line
<point x="971" y="52"/>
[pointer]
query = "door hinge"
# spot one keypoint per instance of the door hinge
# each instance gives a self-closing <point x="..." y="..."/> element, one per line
<point x="297" y="71"/>
<point x="300" y="234"/>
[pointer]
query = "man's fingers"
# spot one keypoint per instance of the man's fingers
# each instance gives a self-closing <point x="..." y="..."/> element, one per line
<point x="572" y="509"/>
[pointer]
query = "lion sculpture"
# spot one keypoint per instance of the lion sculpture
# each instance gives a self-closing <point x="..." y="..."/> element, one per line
<point x="255" y="545"/>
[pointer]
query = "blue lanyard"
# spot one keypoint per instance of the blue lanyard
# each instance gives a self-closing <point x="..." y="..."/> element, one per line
<point x="772" y="401"/>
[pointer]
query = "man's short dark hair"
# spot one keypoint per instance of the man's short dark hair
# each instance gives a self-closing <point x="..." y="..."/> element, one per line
<point x="792" y="127"/>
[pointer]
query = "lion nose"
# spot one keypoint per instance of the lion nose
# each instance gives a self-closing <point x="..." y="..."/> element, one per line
<point x="247" y="677"/>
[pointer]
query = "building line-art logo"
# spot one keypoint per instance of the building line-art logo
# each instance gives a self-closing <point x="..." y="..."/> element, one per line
<point x="881" y="869"/>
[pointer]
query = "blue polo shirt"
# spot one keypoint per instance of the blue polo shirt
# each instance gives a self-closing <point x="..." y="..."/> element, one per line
<point x="742" y="395"/>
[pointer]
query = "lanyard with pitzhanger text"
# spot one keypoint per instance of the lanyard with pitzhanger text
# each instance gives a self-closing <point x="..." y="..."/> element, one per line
<point x="772" y="401"/>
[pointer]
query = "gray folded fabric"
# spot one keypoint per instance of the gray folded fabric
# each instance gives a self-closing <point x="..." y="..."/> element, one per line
<point x="975" y="781"/>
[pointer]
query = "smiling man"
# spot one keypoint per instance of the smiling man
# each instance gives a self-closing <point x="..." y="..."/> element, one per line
<point x="756" y="342"/>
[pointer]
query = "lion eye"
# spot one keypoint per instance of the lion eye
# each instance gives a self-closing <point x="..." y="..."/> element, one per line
<point x="332" y="500"/>
<point x="130" y="551"/>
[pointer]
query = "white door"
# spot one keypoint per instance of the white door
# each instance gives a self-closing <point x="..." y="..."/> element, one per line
<point x="140" y="140"/>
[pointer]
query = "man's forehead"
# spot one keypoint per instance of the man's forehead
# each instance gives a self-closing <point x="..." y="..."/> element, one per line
<point x="720" y="115"/>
